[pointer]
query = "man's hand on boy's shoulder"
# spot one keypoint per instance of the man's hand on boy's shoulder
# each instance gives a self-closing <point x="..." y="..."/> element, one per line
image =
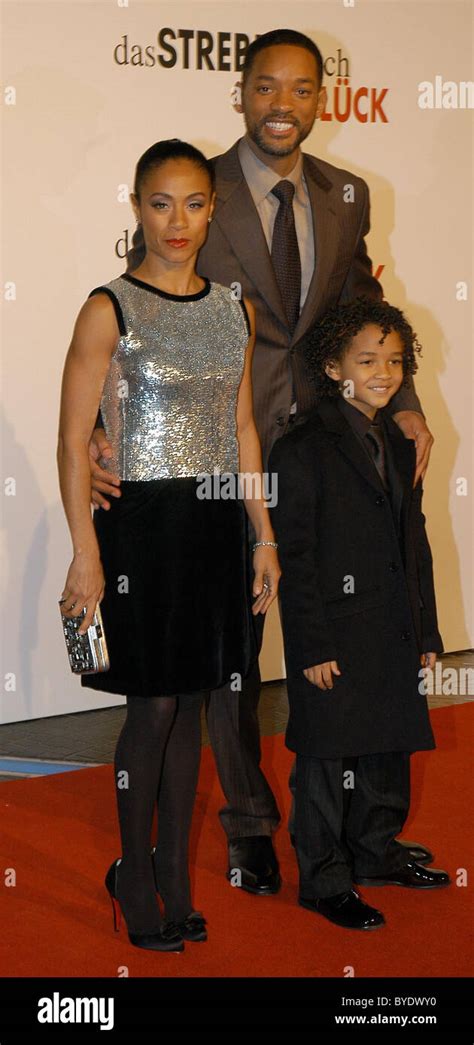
<point x="413" y="426"/>
<point x="321" y="675"/>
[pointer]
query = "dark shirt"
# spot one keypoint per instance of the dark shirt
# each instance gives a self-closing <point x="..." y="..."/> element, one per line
<point x="361" y="425"/>
<point x="358" y="421"/>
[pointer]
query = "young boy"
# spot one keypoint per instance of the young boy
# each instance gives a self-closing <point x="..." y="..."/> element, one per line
<point x="358" y="614"/>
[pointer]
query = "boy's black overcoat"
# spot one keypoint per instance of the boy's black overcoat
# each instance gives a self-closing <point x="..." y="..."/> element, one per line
<point x="334" y="522"/>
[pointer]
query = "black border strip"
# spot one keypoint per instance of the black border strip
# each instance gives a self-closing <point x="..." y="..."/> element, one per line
<point x="116" y="304"/>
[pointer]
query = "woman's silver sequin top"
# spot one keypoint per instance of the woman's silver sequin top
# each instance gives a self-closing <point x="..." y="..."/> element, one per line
<point x="170" y="395"/>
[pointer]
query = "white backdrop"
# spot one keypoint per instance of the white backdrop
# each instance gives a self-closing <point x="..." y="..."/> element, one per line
<point x="76" y="121"/>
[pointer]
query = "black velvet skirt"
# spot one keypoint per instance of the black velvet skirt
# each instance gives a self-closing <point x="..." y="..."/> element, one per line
<point x="177" y="605"/>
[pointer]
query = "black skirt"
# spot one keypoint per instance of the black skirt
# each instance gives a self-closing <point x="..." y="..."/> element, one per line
<point x="177" y="604"/>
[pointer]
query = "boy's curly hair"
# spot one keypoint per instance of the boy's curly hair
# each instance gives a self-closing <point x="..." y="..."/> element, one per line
<point x="330" y="338"/>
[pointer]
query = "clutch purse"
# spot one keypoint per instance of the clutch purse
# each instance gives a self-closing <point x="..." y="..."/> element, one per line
<point x="87" y="653"/>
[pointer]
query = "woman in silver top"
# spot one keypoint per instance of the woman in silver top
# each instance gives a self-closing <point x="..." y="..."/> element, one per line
<point x="167" y="355"/>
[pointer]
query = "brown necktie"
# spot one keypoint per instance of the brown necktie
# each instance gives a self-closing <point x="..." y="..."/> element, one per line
<point x="377" y="451"/>
<point x="285" y="253"/>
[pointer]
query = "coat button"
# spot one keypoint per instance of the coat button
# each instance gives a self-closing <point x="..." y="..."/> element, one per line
<point x="406" y="636"/>
<point x="380" y="500"/>
<point x="280" y="421"/>
<point x="393" y="567"/>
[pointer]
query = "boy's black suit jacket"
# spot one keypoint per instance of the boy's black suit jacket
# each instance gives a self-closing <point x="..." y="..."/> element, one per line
<point x="356" y="587"/>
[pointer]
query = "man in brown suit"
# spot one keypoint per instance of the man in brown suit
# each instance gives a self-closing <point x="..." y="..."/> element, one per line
<point x="287" y="232"/>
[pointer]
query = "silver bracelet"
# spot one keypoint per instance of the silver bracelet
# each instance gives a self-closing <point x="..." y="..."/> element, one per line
<point x="264" y="544"/>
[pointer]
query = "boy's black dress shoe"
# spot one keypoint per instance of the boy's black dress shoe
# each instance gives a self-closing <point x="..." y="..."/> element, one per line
<point x="255" y="859"/>
<point x="417" y="852"/>
<point x="347" y="910"/>
<point x="413" y="876"/>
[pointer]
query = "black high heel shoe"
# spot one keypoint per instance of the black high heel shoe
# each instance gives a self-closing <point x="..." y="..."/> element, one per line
<point x="193" y="927"/>
<point x="168" y="938"/>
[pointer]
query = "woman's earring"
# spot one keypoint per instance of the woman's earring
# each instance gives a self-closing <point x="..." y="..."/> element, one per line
<point x="209" y="219"/>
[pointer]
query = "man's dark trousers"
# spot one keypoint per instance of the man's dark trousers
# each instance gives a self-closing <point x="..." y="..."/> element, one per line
<point x="234" y="732"/>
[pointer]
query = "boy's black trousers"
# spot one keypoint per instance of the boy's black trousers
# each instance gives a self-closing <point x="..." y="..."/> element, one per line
<point x="348" y="812"/>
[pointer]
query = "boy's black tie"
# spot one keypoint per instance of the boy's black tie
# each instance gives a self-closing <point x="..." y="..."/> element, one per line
<point x="285" y="253"/>
<point x="377" y="450"/>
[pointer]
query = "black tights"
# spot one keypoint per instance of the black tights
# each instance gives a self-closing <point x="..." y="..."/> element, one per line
<point x="156" y="759"/>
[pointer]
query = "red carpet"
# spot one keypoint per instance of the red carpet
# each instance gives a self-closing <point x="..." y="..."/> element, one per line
<point x="60" y="835"/>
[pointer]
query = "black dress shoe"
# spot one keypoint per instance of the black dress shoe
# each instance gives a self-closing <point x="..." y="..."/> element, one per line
<point x="347" y="910"/>
<point x="255" y="860"/>
<point x="413" y="876"/>
<point x="417" y="852"/>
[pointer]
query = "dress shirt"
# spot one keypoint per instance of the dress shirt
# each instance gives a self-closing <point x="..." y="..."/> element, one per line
<point x="361" y="425"/>
<point x="261" y="180"/>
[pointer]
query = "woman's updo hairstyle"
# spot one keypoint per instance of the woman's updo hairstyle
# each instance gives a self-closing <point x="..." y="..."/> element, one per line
<point x="155" y="156"/>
